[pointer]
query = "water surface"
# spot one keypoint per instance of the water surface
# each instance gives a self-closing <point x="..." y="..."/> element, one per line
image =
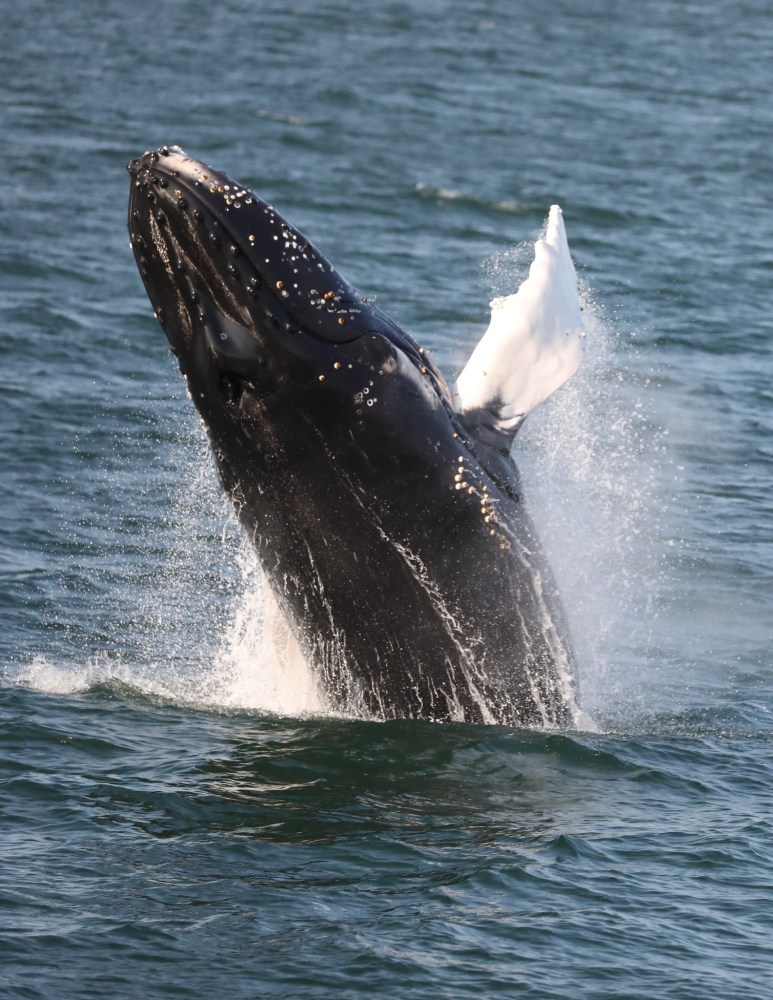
<point x="173" y="824"/>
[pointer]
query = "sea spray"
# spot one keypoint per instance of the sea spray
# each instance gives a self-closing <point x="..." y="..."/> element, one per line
<point x="199" y="626"/>
<point x="259" y="663"/>
<point x="591" y="460"/>
<point x="217" y="637"/>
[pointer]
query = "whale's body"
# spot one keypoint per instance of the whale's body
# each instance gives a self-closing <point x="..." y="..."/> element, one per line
<point x="385" y="511"/>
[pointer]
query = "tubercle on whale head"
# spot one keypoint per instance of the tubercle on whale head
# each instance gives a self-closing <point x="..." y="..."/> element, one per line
<point x="236" y="287"/>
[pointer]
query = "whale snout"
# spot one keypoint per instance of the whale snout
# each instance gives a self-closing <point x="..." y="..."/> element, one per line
<point x="187" y="217"/>
<point x="148" y="158"/>
<point x="243" y="297"/>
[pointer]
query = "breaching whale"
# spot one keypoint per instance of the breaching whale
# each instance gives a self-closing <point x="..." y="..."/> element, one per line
<point x="384" y="506"/>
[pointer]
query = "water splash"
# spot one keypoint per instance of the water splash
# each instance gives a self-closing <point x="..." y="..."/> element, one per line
<point x="220" y="641"/>
<point x="199" y="625"/>
<point x="595" y="464"/>
<point x="589" y="458"/>
<point x="259" y="663"/>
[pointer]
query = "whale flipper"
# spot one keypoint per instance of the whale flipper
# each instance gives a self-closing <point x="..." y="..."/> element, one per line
<point x="534" y="343"/>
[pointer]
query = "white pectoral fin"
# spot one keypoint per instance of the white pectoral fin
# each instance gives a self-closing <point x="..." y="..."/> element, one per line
<point x="535" y="340"/>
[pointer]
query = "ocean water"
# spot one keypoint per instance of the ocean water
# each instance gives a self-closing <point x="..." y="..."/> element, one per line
<point x="178" y="816"/>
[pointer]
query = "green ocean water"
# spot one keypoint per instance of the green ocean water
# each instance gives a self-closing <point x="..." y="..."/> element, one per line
<point x="176" y="819"/>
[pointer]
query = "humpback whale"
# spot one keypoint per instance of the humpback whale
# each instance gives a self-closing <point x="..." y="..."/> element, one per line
<point x="383" y="504"/>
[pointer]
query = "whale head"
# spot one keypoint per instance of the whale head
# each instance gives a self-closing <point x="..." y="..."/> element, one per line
<point x="260" y="321"/>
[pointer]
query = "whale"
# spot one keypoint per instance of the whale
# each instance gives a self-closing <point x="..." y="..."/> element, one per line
<point x="382" y="501"/>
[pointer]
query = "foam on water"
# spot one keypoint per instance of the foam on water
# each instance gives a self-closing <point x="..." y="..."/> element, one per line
<point x="230" y="646"/>
<point x="259" y="664"/>
<point x="40" y="674"/>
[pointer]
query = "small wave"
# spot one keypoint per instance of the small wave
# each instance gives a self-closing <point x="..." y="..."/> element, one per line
<point x="282" y="118"/>
<point x="255" y="667"/>
<point x="209" y="688"/>
<point x="50" y="678"/>
<point x="442" y="194"/>
<point x="99" y="674"/>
